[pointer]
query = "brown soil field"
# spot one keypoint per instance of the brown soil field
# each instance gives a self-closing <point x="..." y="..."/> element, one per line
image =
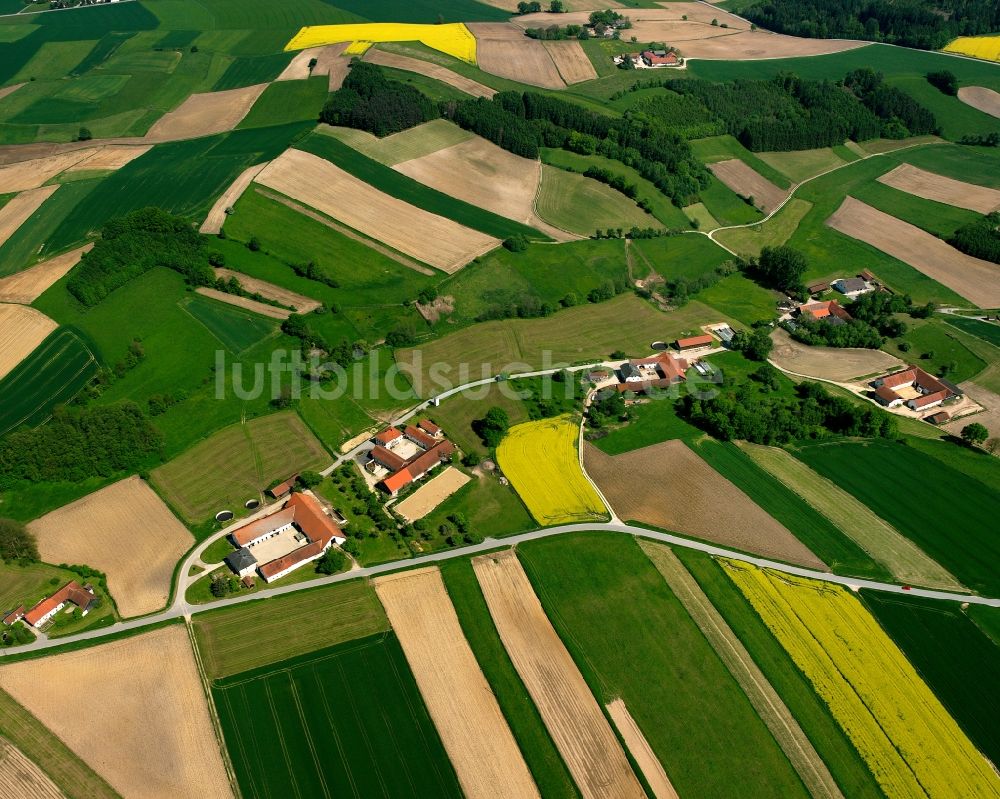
<point x="471" y="725"/>
<point x="578" y="5"/>
<point x="300" y="303"/>
<point x="243" y="302"/>
<point x="651" y="22"/>
<point x="22" y="779"/>
<point x="399" y="258"/>
<point x="422" y="235"/>
<point x="842" y="365"/>
<point x="7" y="90"/>
<point x="431" y="494"/>
<point x="21" y="330"/>
<point x="641" y="751"/>
<point x="205" y="114"/>
<point x="27" y="286"/>
<point x="669" y="486"/>
<point x="436" y="71"/>
<point x="989" y="417"/>
<point x="914" y="180"/>
<point x="126" y="532"/>
<point x="217" y="215"/>
<point x="327" y="56"/>
<point x="756" y="45"/>
<point x="571" y="61"/>
<point x="727" y="645"/>
<point x="111" y="157"/>
<point x="31" y="174"/>
<point x="505" y="30"/>
<point x="974" y="279"/>
<point x="749" y="182"/>
<point x="134" y="710"/>
<point x="981" y="98"/>
<point x="523" y="59"/>
<point x="572" y="716"/>
<point x="16" y="212"/>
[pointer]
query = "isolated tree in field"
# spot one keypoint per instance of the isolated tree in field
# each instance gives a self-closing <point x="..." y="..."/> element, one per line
<point x="492" y="427"/>
<point x="975" y="433"/>
<point x="16" y="543"/>
<point x="780" y="268"/>
<point x="556" y="7"/>
<point x="944" y="81"/>
<point x="332" y="562"/>
<point x="84" y="135"/>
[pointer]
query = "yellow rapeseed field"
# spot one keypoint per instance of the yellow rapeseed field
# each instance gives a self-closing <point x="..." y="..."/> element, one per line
<point x="540" y="460"/>
<point x="912" y="745"/>
<point x="358" y="48"/>
<point x="454" y="39"/>
<point x="986" y="47"/>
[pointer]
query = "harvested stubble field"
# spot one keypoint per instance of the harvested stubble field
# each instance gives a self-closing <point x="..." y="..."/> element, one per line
<point x="134" y="710"/>
<point x="406" y="145"/>
<point x="217" y="215"/>
<point x="670" y="487"/>
<point x="972" y="278"/>
<point x="474" y="732"/>
<point x="981" y="98"/>
<point x="328" y="62"/>
<point x="766" y="701"/>
<point x="429" y="496"/>
<point x="426" y="68"/>
<point x="22" y="329"/>
<point x="522" y="59"/>
<point x="540" y="460"/>
<point x="22" y="779"/>
<point x="840" y="364"/>
<point x="126" y="532"/>
<point x="761" y="45"/>
<point x="36" y="172"/>
<point x="299" y="302"/>
<point x="344" y="721"/>
<point x="643" y="754"/>
<point x="238" y="463"/>
<point x="747" y="182"/>
<point x="572" y="62"/>
<point x="939" y="188"/>
<point x="205" y="114"/>
<point x="988" y="418"/>
<point x="285" y="627"/>
<point x="427" y="237"/>
<point x="110" y="158"/>
<point x="578" y="728"/>
<point x="262" y="308"/>
<point x="28" y="285"/>
<point x="910" y="742"/>
<point x="16" y="212"/>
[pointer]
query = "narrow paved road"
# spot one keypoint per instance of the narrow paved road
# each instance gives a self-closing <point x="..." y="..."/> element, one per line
<point x="180" y="608"/>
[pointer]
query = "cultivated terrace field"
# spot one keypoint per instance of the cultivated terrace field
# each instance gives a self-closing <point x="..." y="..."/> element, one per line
<point x="239" y="239"/>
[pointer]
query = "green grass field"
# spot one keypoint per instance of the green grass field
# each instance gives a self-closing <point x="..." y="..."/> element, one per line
<point x="582" y="205"/>
<point x="776" y="231"/>
<point x="288" y="101"/>
<point x="722" y="148"/>
<point x="665" y="212"/>
<point x="404" y="188"/>
<point x="740" y="298"/>
<point x="957" y="660"/>
<point x="933" y="345"/>
<point x="343" y="720"/>
<point x="808" y="708"/>
<point x="284" y="627"/>
<point x="672" y="257"/>
<point x="235" y="328"/>
<point x="540" y="753"/>
<point x="987" y="331"/>
<point x="408" y="144"/>
<point x="632" y="638"/>
<point x="725" y="205"/>
<point x="798" y="165"/>
<point x="236" y="464"/>
<point x="51" y="375"/>
<point x="949" y="516"/>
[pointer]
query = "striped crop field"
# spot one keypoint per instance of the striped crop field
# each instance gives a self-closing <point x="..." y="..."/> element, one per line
<point x="51" y="375"/>
<point x="453" y="39"/>
<point x="900" y="728"/>
<point x="540" y="460"/>
<point x="985" y="47"/>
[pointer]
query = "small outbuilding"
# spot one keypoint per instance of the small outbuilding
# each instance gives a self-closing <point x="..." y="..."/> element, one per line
<point x="242" y="562"/>
<point x="694" y="342"/>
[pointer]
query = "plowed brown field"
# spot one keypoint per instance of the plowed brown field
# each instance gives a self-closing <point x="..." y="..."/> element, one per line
<point x="27" y="286"/>
<point x="134" y="710"/>
<point x="841" y="364"/>
<point x="522" y="59"/>
<point x="572" y="716"/>
<point x="125" y="531"/>
<point x="21" y="330"/>
<point x="22" y="779"/>
<point x="430" y="238"/>
<point x="981" y="98"/>
<point x="472" y="727"/>
<point x="205" y="114"/>
<point x="112" y="157"/>
<point x="972" y="278"/>
<point x="914" y="180"/>
<point x="436" y="71"/>
<point x="571" y="61"/>
<point x="670" y="487"/>
<point x="38" y="171"/>
<point x="749" y="182"/>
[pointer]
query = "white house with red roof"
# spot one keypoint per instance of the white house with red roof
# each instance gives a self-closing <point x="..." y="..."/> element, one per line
<point x="914" y="388"/>
<point x="71" y="593"/>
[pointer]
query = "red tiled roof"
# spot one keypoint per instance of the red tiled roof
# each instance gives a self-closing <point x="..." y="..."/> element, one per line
<point x="388" y="435"/>
<point x="390" y="460"/>
<point x="312" y="520"/>
<point x="428" y="427"/>
<point x="71" y="592"/>
<point x="283" y="488"/>
<point x="694" y="341"/>
<point x="939" y="418"/>
<point x="396" y="481"/>
<point x="428" y="460"/>
<point x="917" y="377"/>
<point x="887" y="394"/>
<point x="299" y="555"/>
<point x="929" y="399"/>
<point x="420" y="437"/>
<point x="821" y="310"/>
<point x="255" y="529"/>
<point x="897" y="379"/>
<point x="14" y="615"/>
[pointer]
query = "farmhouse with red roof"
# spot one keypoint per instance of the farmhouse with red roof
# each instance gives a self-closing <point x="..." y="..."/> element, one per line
<point x="417" y="449"/>
<point x="658" y="371"/>
<point x="914" y="388"/>
<point x="72" y="593"/>
<point x="829" y="311"/>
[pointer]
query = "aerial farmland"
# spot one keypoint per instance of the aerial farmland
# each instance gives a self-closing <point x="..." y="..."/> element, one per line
<point x="565" y="399"/>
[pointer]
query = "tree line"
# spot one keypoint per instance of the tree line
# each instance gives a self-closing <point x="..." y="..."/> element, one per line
<point x="369" y="101"/>
<point x="980" y="239"/>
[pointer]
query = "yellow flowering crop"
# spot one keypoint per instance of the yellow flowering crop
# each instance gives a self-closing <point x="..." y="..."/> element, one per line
<point x="454" y="39"/>
<point x="985" y="47"/>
